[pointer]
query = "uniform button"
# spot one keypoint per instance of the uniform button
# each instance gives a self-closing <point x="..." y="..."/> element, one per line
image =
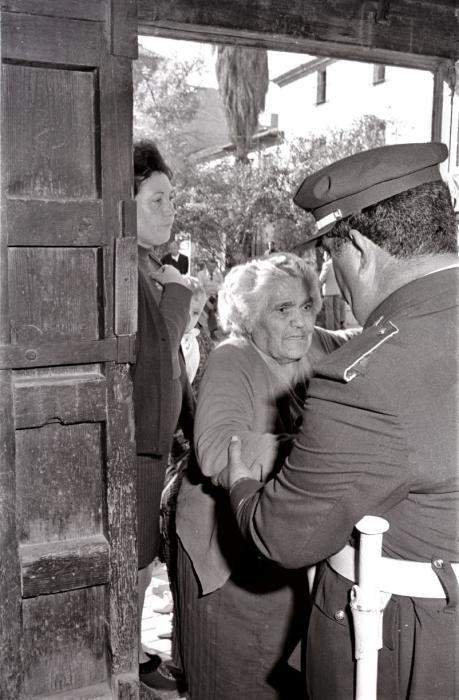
<point x="438" y="563"/>
<point x="339" y="615"/>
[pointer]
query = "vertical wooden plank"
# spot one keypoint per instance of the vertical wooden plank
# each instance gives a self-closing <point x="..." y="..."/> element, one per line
<point x="10" y="594"/>
<point x="116" y="159"/>
<point x="4" y="322"/>
<point x="126" y="286"/>
<point x="128" y="689"/>
<point x="122" y="522"/>
<point x="123" y="28"/>
<point x="437" y="103"/>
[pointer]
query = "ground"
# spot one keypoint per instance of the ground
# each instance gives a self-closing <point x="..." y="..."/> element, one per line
<point x="157" y="627"/>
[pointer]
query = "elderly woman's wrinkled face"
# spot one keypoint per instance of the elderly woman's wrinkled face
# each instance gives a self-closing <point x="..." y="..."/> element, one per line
<point x="284" y="327"/>
<point x="155" y="210"/>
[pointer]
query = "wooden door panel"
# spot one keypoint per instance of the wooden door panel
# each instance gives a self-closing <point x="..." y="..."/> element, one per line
<point x="64" y="565"/>
<point x="64" y="394"/>
<point x="71" y="627"/>
<point x="54" y="294"/>
<point x="50" y="136"/>
<point x="52" y="463"/>
<point x="67" y="324"/>
<point x="35" y="222"/>
<point x="51" y="40"/>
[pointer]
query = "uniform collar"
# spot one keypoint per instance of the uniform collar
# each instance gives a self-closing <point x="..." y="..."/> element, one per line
<point x="436" y="289"/>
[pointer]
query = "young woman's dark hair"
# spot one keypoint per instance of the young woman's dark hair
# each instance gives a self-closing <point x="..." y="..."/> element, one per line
<point x="148" y="160"/>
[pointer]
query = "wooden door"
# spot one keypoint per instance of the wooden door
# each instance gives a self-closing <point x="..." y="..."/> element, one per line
<point x="68" y="610"/>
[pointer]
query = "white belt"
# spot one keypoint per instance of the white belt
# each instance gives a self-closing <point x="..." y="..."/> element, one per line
<point x="397" y="576"/>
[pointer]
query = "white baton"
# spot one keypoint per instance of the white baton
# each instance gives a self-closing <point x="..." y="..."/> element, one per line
<point x="367" y="606"/>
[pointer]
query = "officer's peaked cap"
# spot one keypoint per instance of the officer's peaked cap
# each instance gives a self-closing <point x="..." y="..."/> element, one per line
<point x="351" y="184"/>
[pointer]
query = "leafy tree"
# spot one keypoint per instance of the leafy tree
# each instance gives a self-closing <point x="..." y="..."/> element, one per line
<point x="228" y="211"/>
<point x="164" y="102"/>
<point x="231" y="212"/>
<point x="243" y="80"/>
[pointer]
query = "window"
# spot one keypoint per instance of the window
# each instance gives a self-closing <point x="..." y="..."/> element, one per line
<point x="321" y="87"/>
<point x="379" y="73"/>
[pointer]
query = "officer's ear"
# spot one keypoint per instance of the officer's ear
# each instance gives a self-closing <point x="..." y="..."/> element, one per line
<point x="364" y="247"/>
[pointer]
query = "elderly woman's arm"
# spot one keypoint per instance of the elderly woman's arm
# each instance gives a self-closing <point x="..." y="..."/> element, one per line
<point x="325" y="341"/>
<point x="226" y="407"/>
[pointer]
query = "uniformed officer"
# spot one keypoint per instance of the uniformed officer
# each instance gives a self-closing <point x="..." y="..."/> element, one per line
<point x="380" y="428"/>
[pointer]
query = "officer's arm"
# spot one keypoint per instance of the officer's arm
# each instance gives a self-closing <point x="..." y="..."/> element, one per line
<point x="348" y="461"/>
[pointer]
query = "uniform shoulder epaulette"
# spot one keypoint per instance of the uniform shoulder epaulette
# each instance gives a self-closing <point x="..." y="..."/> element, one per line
<point x="352" y="358"/>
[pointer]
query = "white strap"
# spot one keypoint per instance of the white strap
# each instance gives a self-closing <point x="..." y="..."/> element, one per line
<point x="397" y="576"/>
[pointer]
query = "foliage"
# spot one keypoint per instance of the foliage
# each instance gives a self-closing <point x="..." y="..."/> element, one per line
<point x="243" y="80"/>
<point x="231" y="212"/>
<point x="164" y="101"/>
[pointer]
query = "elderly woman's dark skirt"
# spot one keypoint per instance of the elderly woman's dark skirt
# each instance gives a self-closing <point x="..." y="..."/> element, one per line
<point x="205" y="629"/>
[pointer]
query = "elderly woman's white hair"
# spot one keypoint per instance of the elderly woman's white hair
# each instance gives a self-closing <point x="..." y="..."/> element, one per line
<point x="244" y="291"/>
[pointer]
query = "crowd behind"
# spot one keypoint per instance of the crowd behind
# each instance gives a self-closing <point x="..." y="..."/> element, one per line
<point x="226" y="399"/>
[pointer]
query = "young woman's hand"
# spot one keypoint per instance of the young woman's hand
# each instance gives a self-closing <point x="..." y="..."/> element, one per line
<point x="168" y="274"/>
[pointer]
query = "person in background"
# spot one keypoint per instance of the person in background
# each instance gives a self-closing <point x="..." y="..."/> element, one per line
<point x="333" y="314"/>
<point x="271" y="248"/>
<point x="379" y="430"/>
<point x="190" y="343"/>
<point x="175" y="258"/>
<point x="163" y="312"/>
<point x="211" y="279"/>
<point x="239" y="616"/>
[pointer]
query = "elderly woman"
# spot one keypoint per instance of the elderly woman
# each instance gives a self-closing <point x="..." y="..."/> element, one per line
<point x="239" y="617"/>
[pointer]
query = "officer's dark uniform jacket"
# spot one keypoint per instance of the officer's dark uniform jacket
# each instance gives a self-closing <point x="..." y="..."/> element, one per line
<point x="379" y="437"/>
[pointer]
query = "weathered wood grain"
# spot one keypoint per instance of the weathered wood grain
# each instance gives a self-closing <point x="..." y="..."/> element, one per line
<point x="116" y="139"/>
<point x="48" y="223"/>
<point x="59" y="482"/>
<point x="68" y="397"/>
<point x="53" y="354"/>
<point x="122" y="521"/>
<point x="53" y="294"/>
<point x="123" y="28"/>
<point x="50" y="132"/>
<point x="125" y="286"/>
<point x="100" y="691"/>
<point x="87" y="10"/>
<point x="437" y="105"/>
<point x="10" y="592"/>
<point x="339" y="28"/>
<point x="116" y="160"/>
<point x="67" y="169"/>
<point x="128" y="687"/>
<point x="64" y="641"/>
<point x="60" y="41"/>
<point x="64" y="565"/>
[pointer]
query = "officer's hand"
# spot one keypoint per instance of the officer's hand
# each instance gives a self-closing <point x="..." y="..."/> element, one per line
<point x="235" y="469"/>
<point x="168" y="274"/>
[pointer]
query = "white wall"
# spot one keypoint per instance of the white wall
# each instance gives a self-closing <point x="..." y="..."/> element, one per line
<point x="404" y="100"/>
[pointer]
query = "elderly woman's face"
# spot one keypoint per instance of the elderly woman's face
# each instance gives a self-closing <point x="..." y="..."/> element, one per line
<point x="284" y="327"/>
<point x="155" y="210"/>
